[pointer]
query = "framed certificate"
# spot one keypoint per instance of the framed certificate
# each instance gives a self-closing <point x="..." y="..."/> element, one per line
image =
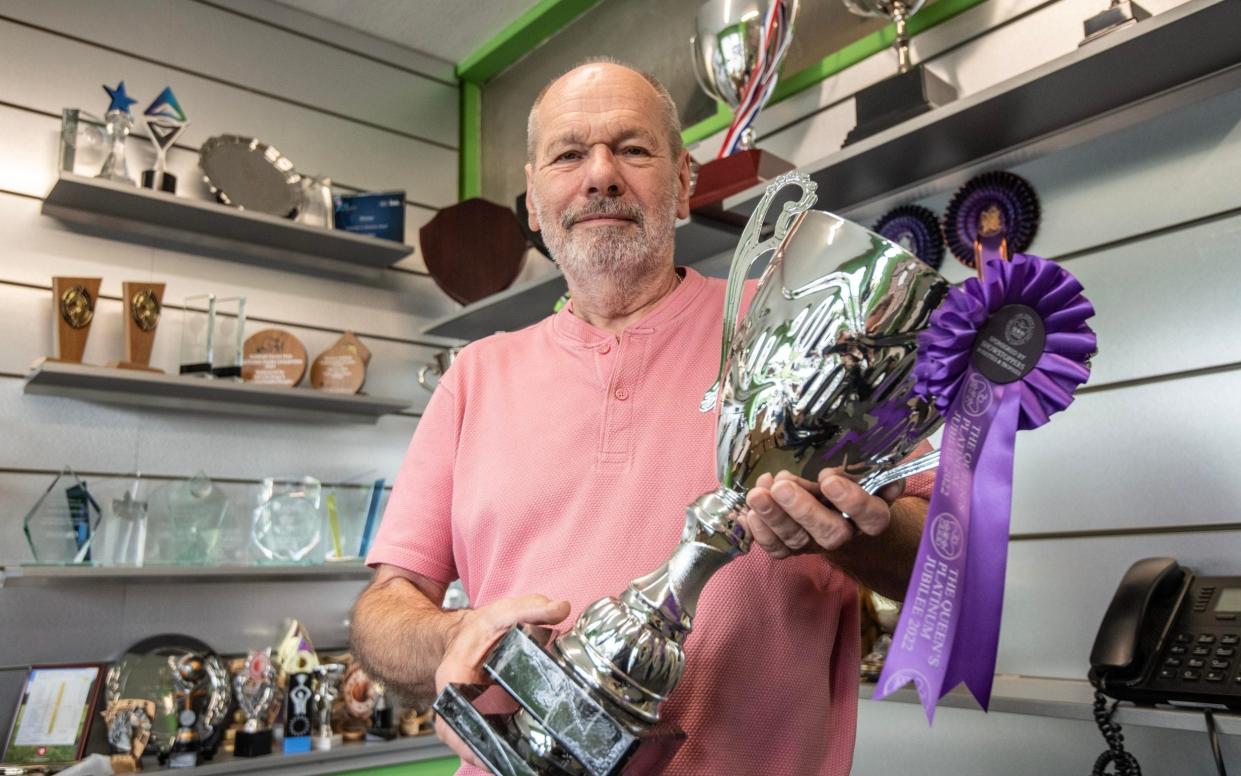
<point x="54" y="714"/>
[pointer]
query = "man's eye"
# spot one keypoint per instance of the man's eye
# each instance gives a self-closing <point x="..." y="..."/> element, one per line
<point x="635" y="151"/>
<point x="568" y="156"/>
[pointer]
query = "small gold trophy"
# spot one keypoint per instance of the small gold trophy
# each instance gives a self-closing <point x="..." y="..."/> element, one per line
<point x="143" y="305"/>
<point x="73" y="309"/>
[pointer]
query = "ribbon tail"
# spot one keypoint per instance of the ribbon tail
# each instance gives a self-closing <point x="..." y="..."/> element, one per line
<point x="974" y="654"/>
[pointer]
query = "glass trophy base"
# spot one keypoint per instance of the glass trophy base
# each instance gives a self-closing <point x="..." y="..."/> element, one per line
<point x="254" y="744"/>
<point x="561" y="728"/>
<point x="721" y="178"/>
<point x="1118" y="16"/>
<point x="896" y="99"/>
<point x="227" y="372"/>
<point x="167" y="185"/>
<point x="198" y="370"/>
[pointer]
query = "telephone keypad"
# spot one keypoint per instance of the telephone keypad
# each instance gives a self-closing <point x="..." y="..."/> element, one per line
<point x="1176" y="649"/>
<point x="1175" y="662"/>
<point x="1184" y="638"/>
<point x="1229" y="638"/>
<point x="1215" y="676"/>
<point x="1225" y="651"/>
<point x="1190" y="676"/>
<point x="1219" y="665"/>
<point x="1195" y="662"/>
<point x="1201" y="651"/>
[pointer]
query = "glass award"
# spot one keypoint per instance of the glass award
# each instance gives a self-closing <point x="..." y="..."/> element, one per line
<point x="123" y="529"/>
<point x="287" y="523"/>
<point x="84" y="143"/>
<point x="227" y="337"/>
<point x="348" y="505"/>
<point x="186" y="520"/>
<point x="197" y="324"/>
<point x="61" y="525"/>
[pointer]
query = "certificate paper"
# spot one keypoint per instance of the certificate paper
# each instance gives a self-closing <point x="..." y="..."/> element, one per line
<point x="51" y="719"/>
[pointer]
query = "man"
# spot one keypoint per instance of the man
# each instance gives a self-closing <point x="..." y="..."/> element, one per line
<point x="554" y="464"/>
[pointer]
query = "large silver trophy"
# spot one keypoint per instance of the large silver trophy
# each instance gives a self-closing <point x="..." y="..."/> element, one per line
<point x="819" y="373"/>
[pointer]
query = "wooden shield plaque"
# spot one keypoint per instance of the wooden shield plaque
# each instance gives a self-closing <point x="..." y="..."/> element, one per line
<point x="273" y="357"/>
<point x="342" y="367"/>
<point x="473" y="249"/>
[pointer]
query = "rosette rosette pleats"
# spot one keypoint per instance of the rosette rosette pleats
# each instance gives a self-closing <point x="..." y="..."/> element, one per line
<point x="1000" y="354"/>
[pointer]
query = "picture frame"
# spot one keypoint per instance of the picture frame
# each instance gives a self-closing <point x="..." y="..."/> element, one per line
<point x="54" y="714"/>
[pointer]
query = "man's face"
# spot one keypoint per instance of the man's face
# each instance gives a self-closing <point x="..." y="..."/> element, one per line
<point x="604" y="186"/>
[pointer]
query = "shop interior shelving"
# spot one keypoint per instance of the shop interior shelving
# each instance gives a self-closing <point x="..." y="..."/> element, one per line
<point x="175" y="392"/>
<point x="348" y="758"/>
<point x="1120" y="80"/>
<point x="1066" y="699"/>
<point x="221" y="231"/>
<point x="33" y="574"/>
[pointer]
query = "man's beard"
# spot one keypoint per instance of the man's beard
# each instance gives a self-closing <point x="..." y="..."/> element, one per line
<point x="615" y="260"/>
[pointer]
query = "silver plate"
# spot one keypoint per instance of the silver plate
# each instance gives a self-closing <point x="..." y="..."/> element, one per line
<point x="247" y="173"/>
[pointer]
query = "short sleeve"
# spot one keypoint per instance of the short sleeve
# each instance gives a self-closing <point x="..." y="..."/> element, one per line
<point x="416" y="531"/>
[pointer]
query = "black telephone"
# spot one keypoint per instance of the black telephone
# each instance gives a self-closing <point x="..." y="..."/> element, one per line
<point x="1171" y="637"/>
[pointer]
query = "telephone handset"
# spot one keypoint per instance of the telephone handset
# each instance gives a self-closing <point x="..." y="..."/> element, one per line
<point x="1170" y="636"/>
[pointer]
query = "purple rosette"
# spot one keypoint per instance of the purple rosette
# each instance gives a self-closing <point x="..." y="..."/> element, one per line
<point x="1000" y="354"/>
<point x="917" y="230"/>
<point x="993" y="215"/>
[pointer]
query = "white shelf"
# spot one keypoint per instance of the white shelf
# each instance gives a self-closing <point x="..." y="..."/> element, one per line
<point x="349" y="757"/>
<point x="35" y="574"/>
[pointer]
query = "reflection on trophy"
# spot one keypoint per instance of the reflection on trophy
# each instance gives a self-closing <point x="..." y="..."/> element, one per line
<point x="257" y="696"/>
<point x="914" y="90"/>
<point x="737" y="51"/>
<point x="327" y="689"/>
<point x="165" y="122"/>
<point x="880" y="616"/>
<point x="437" y="368"/>
<point x="818" y="374"/>
<point x="129" y="732"/>
<point x="119" y="122"/>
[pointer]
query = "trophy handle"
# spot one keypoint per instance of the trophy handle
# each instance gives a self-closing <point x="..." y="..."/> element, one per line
<point x="874" y="482"/>
<point x="749" y="249"/>
<point x="422" y="376"/>
<point x="700" y="73"/>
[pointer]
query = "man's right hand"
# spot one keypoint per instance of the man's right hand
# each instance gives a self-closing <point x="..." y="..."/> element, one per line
<point x="473" y="636"/>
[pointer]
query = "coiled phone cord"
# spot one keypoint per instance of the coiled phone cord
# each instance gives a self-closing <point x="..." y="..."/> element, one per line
<point x="1125" y="763"/>
<point x="1219" y="756"/>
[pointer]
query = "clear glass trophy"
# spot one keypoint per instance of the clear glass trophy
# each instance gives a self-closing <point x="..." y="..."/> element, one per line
<point x="197" y="324"/>
<point x="60" y="527"/>
<point x="186" y="521"/>
<point x="287" y="523"/>
<point x="348" y="505"/>
<point x="84" y="143"/>
<point x="123" y="529"/>
<point x="228" y="328"/>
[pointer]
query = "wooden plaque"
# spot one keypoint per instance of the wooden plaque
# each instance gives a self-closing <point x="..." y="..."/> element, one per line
<point x="144" y="303"/>
<point x="342" y="367"/>
<point x="73" y="310"/>
<point x="473" y="249"/>
<point x="273" y="357"/>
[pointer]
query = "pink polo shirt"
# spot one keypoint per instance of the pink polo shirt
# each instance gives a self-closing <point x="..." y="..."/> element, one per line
<point x="558" y="460"/>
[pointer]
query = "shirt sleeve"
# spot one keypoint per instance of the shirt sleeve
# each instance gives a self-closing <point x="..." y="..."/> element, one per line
<point x="416" y="531"/>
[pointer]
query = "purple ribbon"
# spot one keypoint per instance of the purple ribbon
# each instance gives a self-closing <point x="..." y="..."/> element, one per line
<point x="971" y="362"/>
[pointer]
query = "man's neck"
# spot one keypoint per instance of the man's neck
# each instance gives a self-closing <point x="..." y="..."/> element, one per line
<point x="613" y="310"/>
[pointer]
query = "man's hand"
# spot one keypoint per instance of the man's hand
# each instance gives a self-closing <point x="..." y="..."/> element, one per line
<point x="473" y="636"/>
<point x="789" y="515"/>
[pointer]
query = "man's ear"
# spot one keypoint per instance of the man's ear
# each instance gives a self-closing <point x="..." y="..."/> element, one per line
<point x="531" y="218"/>
<point x="683" y="179"/>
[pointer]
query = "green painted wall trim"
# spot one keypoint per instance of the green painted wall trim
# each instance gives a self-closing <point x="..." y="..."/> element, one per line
<point x="880" y="40"/>
<point x="470" y="147"/>
<point x="517" y="39"/>
<point x="441" y="766"/>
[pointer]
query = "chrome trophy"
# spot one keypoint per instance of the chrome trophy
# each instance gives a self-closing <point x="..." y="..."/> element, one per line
<point x="819" y="373"/>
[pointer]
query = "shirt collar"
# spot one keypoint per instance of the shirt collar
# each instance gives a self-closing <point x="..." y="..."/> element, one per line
<point x="575" y="331"/>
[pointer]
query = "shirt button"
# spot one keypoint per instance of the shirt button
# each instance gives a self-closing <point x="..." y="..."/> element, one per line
<point x="605" y="349"/>
<point x="621" y="394"/>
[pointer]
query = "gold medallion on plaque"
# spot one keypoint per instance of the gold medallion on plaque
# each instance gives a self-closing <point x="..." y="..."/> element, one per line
<point x="77" y="306"/>
<point x="73" y="310"/>
<point x="144" y="307"/>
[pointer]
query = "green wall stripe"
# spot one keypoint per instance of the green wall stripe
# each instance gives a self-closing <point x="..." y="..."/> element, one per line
<point x="517" y="39"/>
<point x="880" y="40"/>
<point x="441" y="766"/>
<point x="470" y="147"/>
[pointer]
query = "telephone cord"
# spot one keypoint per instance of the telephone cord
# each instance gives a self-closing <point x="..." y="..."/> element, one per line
<point x="1214" y="736"/>
<point x="1125" y="763"/>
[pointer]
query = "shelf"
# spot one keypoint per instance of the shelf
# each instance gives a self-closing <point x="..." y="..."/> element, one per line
<point x="34" y="574"/>
<point x="1066" y="699"/>
<point x="515" y="308"/>
<point x="349" y="757"/>
<point x="195" y="394"/>
<point x="207" y="227"/>
<point x="1182" y="56"/>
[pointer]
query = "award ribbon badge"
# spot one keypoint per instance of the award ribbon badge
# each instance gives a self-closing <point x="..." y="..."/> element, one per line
<point x="1000" y="354"/>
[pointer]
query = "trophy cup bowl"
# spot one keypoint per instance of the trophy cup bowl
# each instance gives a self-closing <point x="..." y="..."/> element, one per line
<point x="819" y="373"/>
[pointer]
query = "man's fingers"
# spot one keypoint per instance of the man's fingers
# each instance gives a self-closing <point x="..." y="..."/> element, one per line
<point x="809" y="485"/>
<point x="769" y="516"/>
<point x="869" y="513"/>
<point x="892" y="491"/>
<point x="823" y="525"/>
<point x="534" y="609"/>
<point x="765" y="538"/>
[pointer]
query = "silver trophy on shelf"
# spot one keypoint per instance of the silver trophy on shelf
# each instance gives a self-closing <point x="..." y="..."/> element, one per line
<point x="818" y="374"/>
<point x="120" y="122"/>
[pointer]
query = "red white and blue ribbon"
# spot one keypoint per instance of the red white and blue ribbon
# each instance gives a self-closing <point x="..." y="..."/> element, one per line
<point x="1000" y="354"/>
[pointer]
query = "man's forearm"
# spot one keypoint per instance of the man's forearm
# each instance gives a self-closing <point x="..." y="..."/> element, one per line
<point x="399" y="635"/>
<point x="883" y="563"/>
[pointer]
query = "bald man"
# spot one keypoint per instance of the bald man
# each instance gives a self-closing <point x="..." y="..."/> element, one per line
<point x="553" y="465"/>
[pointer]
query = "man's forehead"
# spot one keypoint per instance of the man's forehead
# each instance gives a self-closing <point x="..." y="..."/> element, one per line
<point x="595" y="96"/>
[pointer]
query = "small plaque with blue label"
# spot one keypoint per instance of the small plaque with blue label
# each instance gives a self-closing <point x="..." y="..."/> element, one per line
<point x="379" y="214"/>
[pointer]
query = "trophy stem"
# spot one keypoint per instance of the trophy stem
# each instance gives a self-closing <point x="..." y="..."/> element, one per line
<point x="900" y="18"/>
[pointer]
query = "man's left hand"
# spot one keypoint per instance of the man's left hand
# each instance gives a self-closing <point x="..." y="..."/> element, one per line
<point x="790" y="515"/>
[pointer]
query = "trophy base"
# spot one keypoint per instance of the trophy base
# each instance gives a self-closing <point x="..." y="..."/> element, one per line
<point x="254" y="744"/>
<point x="326" y="743"/>
<point x="53" y="360"/>
<point x="200" y="369"/>
<point x="720" y="178"/>
<point x="1114" y="18"/>
<point x="134" y="366"/>
<point x="296" y="744"/>
<point x="898" y="99"/>
<point x="226" y="372"/>
<point x="590" y="736"/>
<point x="167" y="185"/>
<point x="183" y="760"/>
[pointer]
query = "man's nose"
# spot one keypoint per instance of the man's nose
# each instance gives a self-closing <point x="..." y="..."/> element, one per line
<point x="603" y="176"/>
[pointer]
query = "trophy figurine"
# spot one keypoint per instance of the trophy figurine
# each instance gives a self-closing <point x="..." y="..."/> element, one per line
<point x="818" y="374"/>
<point x="119" y="122"/>
<point x="327" y="690"/>
<point x="143" y="304"/>
<point x="737" y="51"/>
<point x="129" y="732"/>
<point x="73" y="310"/>
<point x="188" y="673"/>
<point x="165" y="121"/>
<point x="914" y="90"/>
<point x="257" y="697"/>
<point x="299" y="711"/>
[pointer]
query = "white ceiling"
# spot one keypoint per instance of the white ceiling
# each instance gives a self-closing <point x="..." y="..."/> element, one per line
<point x="448" y="29"/>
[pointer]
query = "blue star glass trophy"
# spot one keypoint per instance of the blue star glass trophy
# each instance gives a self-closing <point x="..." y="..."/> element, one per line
<point x="165" y="122"/>
<point x="119" y="120"/>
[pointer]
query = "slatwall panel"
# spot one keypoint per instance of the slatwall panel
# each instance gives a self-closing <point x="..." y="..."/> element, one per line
<point x="370" y="116"/>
